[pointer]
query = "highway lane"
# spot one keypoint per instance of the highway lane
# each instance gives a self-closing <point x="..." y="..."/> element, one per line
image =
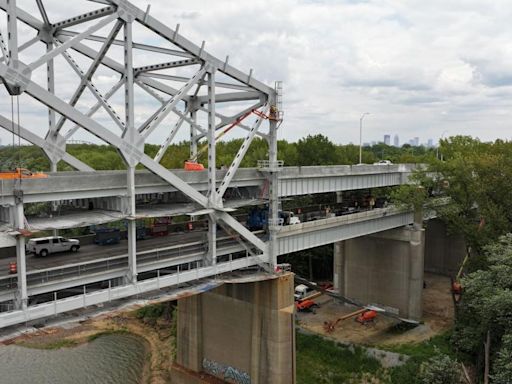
<point x="94" y="252"/>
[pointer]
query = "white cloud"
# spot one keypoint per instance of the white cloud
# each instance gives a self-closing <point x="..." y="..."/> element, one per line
<point x="420" y="67"/>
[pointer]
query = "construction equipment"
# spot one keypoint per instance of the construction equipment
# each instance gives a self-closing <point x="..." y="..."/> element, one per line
<point x="306" y="306"/>
<point x="192" y="164"/>
<point x="367" y="313"/>
<point x="21" y="173"/>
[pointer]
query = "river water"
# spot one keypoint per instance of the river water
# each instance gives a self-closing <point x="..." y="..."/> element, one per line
<point x="110" y="359"/>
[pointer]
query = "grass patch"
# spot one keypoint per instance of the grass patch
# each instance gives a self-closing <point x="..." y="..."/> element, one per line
<point x="321" y="361"/>
<point x="418" y="352"/>
<point x="108" y="333"/>
<point x="51" y="346"/>
<point x="426" y="349"/>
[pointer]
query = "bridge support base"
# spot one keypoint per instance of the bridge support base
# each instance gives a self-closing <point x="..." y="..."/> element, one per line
<point x="243" y="333"/>
<point x="384" y="269"/>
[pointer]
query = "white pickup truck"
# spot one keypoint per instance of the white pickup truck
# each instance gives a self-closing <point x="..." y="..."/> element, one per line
<point x="43" y="246"/>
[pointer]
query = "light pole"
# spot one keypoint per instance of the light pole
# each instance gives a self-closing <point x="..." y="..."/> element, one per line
<point x="361" y="137"/>
<point x="439" y="143"/>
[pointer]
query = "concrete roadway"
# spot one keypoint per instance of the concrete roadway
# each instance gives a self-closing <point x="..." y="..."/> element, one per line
<point x="94" y="252"/>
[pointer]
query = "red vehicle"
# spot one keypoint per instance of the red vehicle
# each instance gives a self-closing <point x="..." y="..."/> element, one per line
<point x="306" y="305"/>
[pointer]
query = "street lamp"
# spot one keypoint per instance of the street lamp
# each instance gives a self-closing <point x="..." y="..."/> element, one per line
<point x="361" y="137"/>
<point x="439" y="143"/>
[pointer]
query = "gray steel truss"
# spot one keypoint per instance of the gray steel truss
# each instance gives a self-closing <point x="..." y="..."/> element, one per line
<point x="211" y="84"/>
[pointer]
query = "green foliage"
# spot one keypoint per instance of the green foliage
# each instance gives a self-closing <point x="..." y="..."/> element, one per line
<point x="440" y="369"/>
<point x="151" y="311"/>
<point x="477" y="179"/>
<point x="502" y="368"/>
<point x="321" y="361"/>
<point x="487" y="303"/>
<point x="312" y="150"/>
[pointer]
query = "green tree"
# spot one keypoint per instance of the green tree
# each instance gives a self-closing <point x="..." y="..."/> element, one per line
<point x="440" y="369"/>
<point x="316" y="150"/>
<point x="486" y="305"/>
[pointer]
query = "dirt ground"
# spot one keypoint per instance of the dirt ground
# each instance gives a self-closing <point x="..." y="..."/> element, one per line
<point x="438" y="314"/>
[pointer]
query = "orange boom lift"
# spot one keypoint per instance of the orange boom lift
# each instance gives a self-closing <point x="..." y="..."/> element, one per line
<point x="193" y="165"/>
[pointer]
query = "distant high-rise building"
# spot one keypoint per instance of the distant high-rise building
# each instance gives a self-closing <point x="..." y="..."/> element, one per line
<point x="396" y="141"/>
<point x="416" y="141"/>
<point x="430" y="143"/>
<point x="387" y="139"/>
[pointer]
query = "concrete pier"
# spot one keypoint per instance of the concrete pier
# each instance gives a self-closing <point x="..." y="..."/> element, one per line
<point x="238" y="333"/>
<point x="444" y="252"/>
<point x="384" y="269"/>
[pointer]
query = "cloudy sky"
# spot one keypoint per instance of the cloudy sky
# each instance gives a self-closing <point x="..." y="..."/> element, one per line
<point x="421" y="68"/>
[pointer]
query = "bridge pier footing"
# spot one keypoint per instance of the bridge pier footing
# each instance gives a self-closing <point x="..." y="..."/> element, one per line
<point x="238" y="333"/>
<point x="384" y="269"/>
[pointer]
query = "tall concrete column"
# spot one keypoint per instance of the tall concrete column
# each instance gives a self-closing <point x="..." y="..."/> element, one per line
<point x="242" y="333"/>
<point x="386" y="269"/>
<point x="339" y="267"/>
<point x="21" y="301"/>
<point x="189" y="332"/>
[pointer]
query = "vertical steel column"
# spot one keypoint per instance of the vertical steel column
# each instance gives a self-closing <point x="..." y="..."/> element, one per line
<point x="50" y="78"/>
<point x="12" y="30"/>
<point x="130" y="135"/>
<point x="212" y="169"/>
<point x="193" y="134"/>
<point x="273" y="192"/>
<point x="21" y="264"/>
<point x="132" y="227"/>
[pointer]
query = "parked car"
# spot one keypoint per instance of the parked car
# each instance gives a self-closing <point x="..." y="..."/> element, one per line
<point x="383" y="162"/>
<point x="43" y="246"/>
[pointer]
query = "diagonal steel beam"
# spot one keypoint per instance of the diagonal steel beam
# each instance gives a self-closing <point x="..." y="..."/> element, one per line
<point x="93" y="15"/>
<point x="240" y="154"/>
<point x="168" y="140"/>
<point x="43" y="13"/>
<point x="119" y="68"/>
<point x="57" y="51"/>
<point x="225" y="120"/>
<point x="237" y="226"/>
<point x="101" y="99"/>
<point x="27" y="135"/>
<point x="169" y="106"/>
<point x="143" y="47"/>
<point x="86" y="77"/>
<point x="171" y="64"/>
<point x="97" y="106"/>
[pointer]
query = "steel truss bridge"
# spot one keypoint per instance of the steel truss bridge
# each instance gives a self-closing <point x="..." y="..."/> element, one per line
<point x="181" y="86"/>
